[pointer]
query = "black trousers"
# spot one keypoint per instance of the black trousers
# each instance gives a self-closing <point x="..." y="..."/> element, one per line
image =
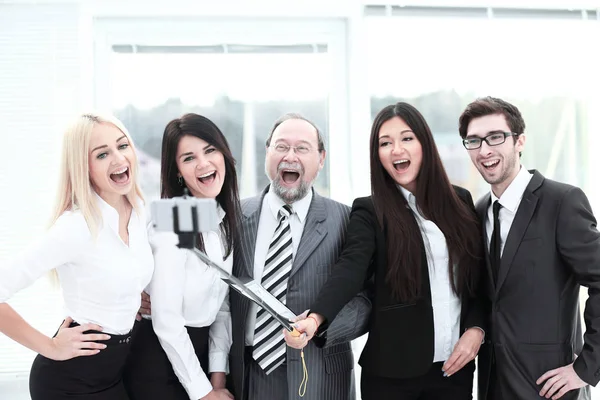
<point x="97" y="377"/>
<point x="149" y="374"/>
<point x="431" y="386"/>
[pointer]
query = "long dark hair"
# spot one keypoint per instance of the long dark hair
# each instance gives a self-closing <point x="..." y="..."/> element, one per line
<point x="437" y="200"/>
<point x="202" y="128"/>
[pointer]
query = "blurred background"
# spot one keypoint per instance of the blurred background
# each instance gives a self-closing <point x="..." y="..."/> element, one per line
<point x="243" y="64"/>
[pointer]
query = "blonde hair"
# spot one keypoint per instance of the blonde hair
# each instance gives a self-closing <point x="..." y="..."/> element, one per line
<point x="75" y="191"/>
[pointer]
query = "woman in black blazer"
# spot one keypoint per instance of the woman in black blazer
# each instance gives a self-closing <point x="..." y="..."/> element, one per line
<point x="418" y="238"/>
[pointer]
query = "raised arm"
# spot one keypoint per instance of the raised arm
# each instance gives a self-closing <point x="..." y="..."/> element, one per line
<point x="348" y="275"/>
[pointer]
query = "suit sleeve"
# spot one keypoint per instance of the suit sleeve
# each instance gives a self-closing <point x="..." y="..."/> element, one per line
<point x="350" y="323"/>
<point x="578" y="242"/>
<point x="476" y="316"/>
<point x="348" y="275"/>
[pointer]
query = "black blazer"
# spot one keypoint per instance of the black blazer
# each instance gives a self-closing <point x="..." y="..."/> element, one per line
<point x="552" y="248"/>
<point x="401" y="336"/>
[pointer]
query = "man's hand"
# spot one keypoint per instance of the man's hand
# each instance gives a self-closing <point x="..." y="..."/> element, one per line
<point x="218" y="394"/>
<point x="218" y="380"/>
<point x="466" y="350"/>
<point x="559" y="381"/>
<point x="307" y="326"/>
<point x="145" y="308"/>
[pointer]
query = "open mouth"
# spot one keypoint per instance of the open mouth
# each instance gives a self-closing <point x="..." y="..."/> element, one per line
<point x="401" y="165"/>
<point x="120" y="176"/>
<point x="208" y="178"/>
<point x="290" y="176"/>
<point x="490" y="165"/>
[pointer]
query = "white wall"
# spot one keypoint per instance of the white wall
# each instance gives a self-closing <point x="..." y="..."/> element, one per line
<point x="39" y="88"/>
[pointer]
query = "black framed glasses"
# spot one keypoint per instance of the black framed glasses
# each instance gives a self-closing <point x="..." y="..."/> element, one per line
<point x="493" y="139"/>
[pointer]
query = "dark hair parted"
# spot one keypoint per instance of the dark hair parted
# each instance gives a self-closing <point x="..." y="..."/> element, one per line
<point x="202" y="128"/>
<point x="484" y="106"/>
<point x="438" y="202"/>
<point x="288" y="116"/>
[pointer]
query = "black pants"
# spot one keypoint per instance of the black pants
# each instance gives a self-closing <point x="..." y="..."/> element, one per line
<point x="97" y="377"/>
<point x="431" y="386"/>
<point x="149" y="374"/>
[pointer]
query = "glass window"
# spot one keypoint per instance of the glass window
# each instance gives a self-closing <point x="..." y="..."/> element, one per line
<point x="243" y="93"/>
<point x="544" y="67"/>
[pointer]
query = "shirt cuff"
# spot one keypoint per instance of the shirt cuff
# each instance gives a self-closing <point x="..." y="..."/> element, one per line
<point x="218" y="361"/>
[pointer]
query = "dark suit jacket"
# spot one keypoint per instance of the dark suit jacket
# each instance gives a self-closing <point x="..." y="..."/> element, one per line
<point x="331" y="368"/>
<point x="552" y="247"/>
<point x="401" y="336"/>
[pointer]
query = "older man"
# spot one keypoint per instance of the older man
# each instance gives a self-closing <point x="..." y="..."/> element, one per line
<point x="291" y="237"/>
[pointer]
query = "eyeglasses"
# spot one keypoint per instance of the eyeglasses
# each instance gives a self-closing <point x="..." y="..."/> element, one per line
<point x="493" y="139"/>
<point x="284" y="148"/>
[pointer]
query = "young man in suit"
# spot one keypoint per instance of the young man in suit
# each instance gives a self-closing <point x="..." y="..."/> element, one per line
<point x="290" y="238"/>
<point x="542" y="245"/>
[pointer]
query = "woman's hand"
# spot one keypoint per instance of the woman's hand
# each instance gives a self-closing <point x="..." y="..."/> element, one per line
<point x="466" y="350"/>
<point x="145" y="308"/>
<point x="72" y="342"/>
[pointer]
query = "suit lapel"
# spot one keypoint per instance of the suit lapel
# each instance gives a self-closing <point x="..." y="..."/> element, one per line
<point x="482" y="208"/>
<point x="519" y="226"/>
<point x="313" y="233"/>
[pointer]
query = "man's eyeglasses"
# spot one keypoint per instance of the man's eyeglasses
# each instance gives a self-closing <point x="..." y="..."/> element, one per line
<point x="284" y="148"/>
<point x="493" y="139"/>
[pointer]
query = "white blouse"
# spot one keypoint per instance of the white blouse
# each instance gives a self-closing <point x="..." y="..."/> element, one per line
<point x="186" y="292"/>
<point x="446" y="304"/>
<point x="101" y="278"/>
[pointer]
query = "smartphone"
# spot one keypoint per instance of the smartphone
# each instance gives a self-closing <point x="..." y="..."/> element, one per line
<point x="163" y="212"/>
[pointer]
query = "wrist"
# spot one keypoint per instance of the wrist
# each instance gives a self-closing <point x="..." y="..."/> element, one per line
<point x="48" y="348"/>
<point x="317" y="319"/>
<point x="218" y="380"/>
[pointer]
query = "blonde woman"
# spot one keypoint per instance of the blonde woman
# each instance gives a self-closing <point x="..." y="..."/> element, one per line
<point x="98" y="246"/>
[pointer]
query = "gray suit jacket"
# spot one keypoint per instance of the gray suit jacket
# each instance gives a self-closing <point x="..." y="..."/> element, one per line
<point x="330" y="368"/>
<point x="552" y="248"/>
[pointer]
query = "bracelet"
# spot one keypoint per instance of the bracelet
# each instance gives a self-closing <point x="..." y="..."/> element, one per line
<point x="316" y="322"/>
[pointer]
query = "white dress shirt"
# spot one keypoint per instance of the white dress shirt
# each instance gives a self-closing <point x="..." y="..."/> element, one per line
<point x="446" y="305"/>
<point x="187" y="292"/>
<point x="510" y="201"/>
<point x="102" y="278"/>
<point x="266" y="228"/>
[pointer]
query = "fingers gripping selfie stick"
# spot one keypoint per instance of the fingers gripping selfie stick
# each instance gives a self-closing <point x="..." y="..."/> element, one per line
<point x="190" y="216"/>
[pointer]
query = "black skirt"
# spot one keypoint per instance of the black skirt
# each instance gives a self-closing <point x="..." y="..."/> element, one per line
<point x="149" y="374"/>
<point x="97" y="377"/>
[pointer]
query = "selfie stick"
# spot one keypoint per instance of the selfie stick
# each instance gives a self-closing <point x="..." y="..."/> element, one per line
<point x="187" y="240"/>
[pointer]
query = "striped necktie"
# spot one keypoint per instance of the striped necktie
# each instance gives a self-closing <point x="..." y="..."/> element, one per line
<point x="269" y="345"/>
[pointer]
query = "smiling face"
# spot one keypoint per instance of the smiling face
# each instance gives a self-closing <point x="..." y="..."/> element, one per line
<point x="292" y="173"/>
<point x="400" y="153"/>
<point x="110" y="161"/>
<point x="500" y="164"/>
<point x="201" y="166"/>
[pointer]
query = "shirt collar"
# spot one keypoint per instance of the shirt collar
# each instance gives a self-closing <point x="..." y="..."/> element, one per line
<point x="410" y="198"/>
<point x="220" y="213"/>
<point x="110" y="216"/>
<point x="511" y="197"/>
<point x="300" y="207"/>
